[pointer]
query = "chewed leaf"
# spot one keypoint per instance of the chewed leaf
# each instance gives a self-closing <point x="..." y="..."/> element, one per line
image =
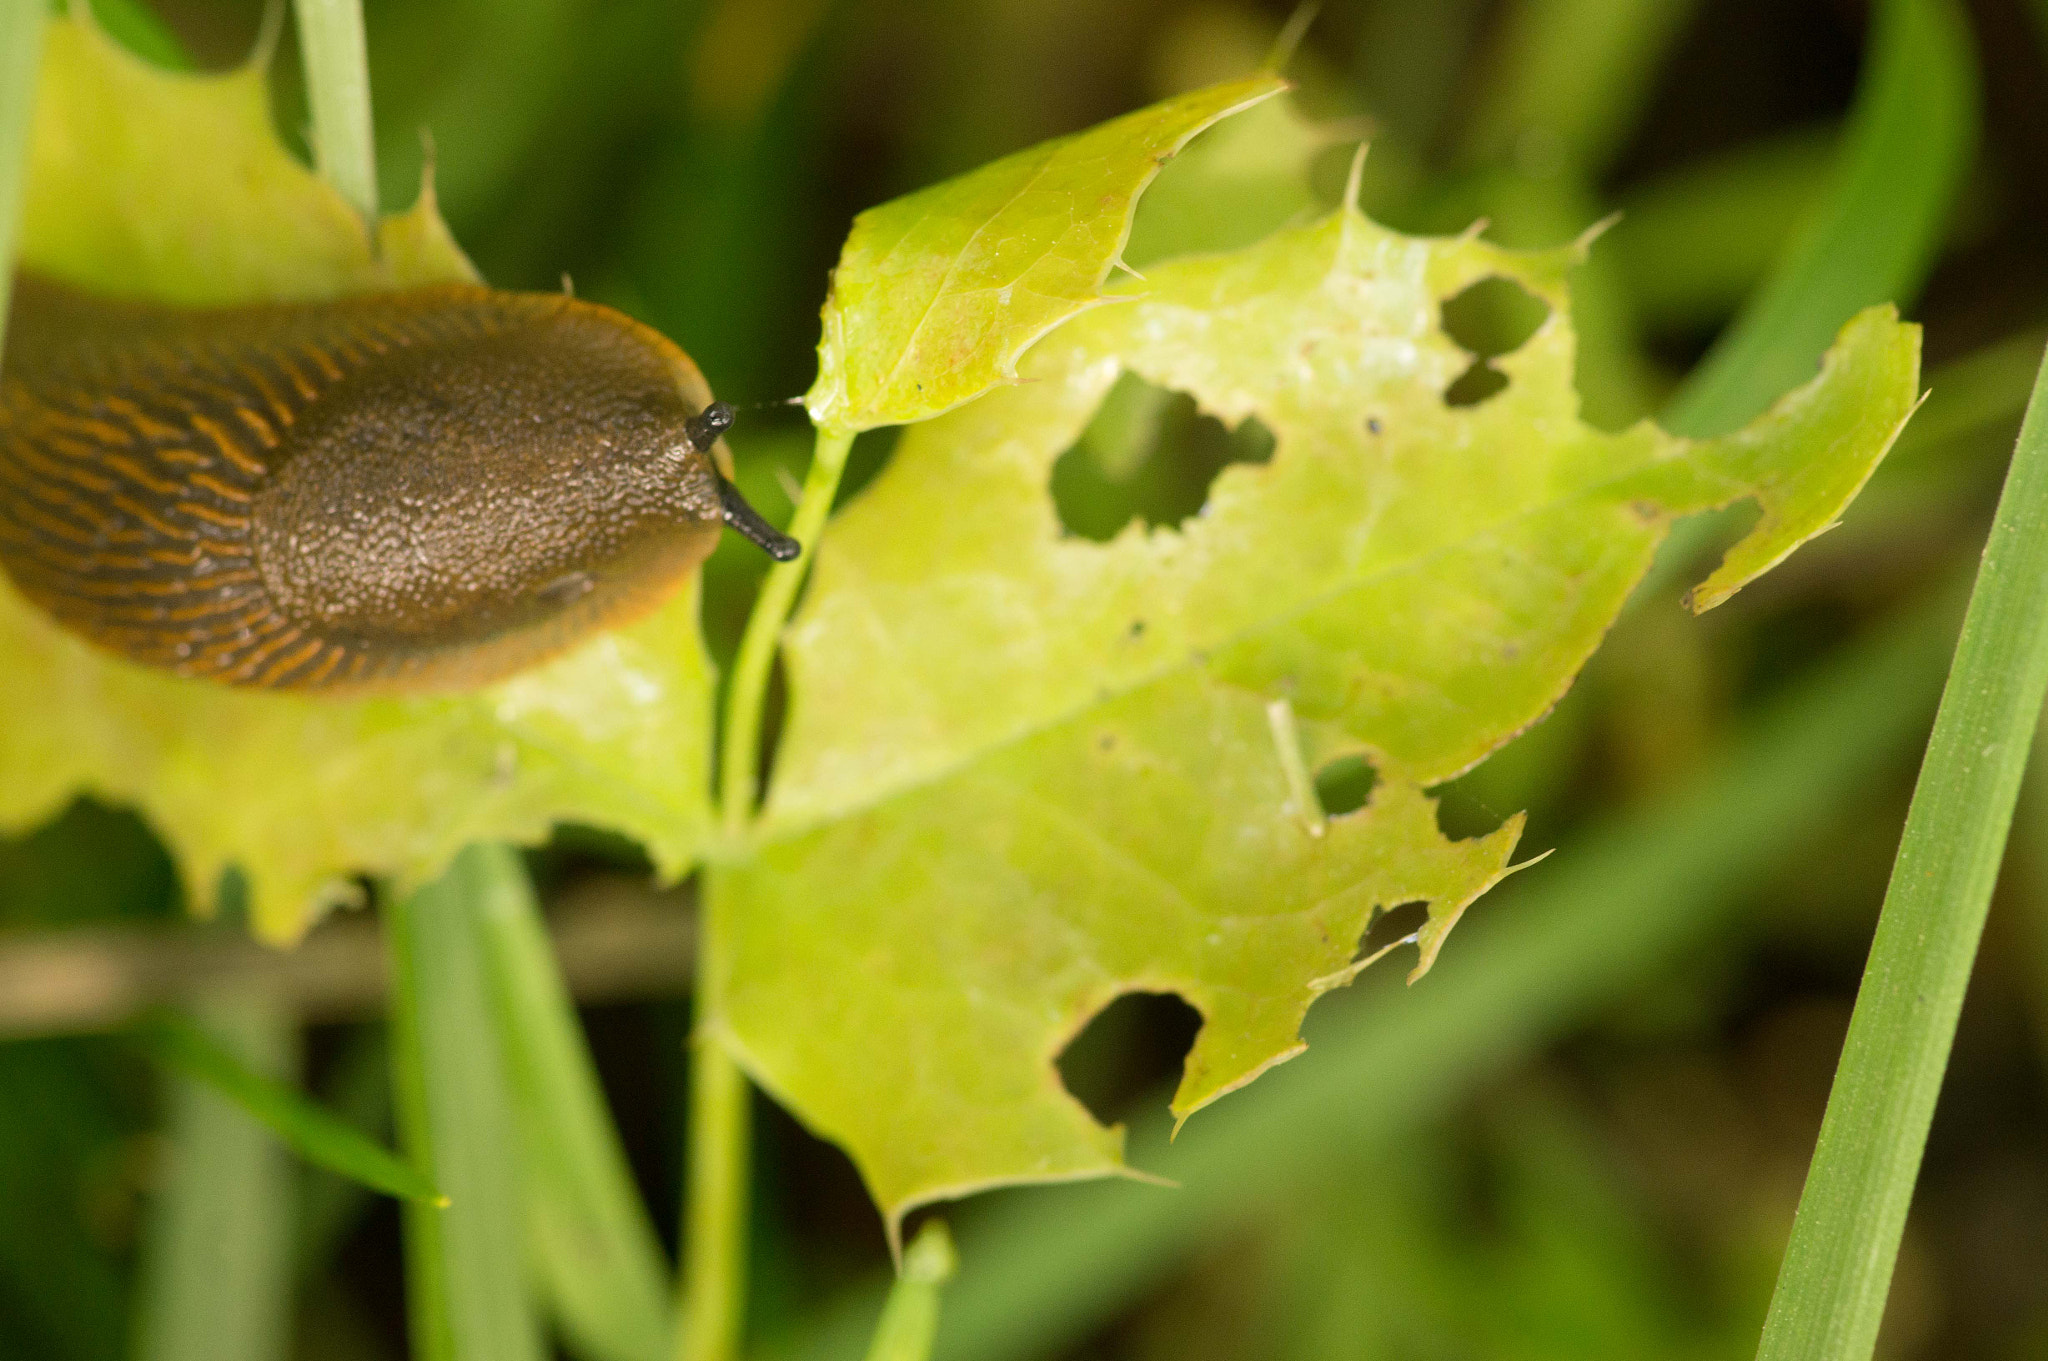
<point x="151" y="184"/>
<point x="1024" y="771"/>
<point x="1420" y="579"/>
<point x="173" y="187"/>
<point x="943" y="947"/>
<point x="938" y="292"/>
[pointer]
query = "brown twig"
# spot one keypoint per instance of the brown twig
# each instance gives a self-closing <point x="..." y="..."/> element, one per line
<point x="615" y="938"/>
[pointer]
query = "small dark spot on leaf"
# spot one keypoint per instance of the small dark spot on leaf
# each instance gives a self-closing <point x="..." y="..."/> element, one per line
<point x="1345" y="784"/>
<point x="1372" y="425"/>
<point x="1137" y="628"/>
<point x="1129" y="1053"/>
<point x="1107" y="741"/>
<point x="1647" y="511"/>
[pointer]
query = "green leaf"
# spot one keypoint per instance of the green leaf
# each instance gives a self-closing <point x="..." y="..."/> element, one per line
<point x="910" y="1320"/>
<point x="937" y="293"/>
<point x="1023" y="773"/>
<point x="216" y="1281"/>
<point x="316" y="1136"/>
<point x="587" y="1231"/>
<point x="1243" y="178"/>
<point x="303" y="792"/>
<point x="21" y="47"/>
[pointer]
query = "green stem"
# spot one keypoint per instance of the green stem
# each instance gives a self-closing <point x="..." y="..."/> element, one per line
<point x="1838" y="1265"/>
<point x="21" y="50"/>
<point x="338" y="89"/>
<point x="738" y="778"/>
<point x="715" y="1227"/>
<point x="715" y="1224"/>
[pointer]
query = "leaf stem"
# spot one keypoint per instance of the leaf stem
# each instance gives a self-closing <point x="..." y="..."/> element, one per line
<point x="713" y="1305"/>
<point x="338" y="89"/>
<point x="1838" y="1266"/>
<point x="739" y="760"/>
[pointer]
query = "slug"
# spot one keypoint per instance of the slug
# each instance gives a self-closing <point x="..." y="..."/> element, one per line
<point x="417" y="491"/>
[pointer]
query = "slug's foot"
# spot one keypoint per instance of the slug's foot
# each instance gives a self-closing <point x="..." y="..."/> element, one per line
<point x="749" y="523"/>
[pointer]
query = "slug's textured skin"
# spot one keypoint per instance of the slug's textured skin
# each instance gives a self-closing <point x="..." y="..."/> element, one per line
<point x="413" y="491"/>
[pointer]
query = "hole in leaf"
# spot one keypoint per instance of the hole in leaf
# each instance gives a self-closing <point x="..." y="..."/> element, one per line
<point x="1475" y="385"/>
<point x="1147" y="455"/>
<point x="1391" y="926"/>
<point x="1493" y="317"/>
<point x="1345" y="784"/>
<point x="1128" y="1053"/>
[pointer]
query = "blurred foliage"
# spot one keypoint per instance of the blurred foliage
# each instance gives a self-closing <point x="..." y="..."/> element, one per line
<point x="1626" y="1185"/>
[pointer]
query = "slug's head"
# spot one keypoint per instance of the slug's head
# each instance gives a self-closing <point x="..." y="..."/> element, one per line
<point x="472" y="502"/>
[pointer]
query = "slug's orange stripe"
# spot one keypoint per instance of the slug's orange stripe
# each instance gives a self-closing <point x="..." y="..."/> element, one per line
<point x="291" y="661"/>
<point x="230" y="450"/>
<point x="224" y="519"/>
<point x="262" y="428"/>
<point x="134" y="472"/>
<point x="135" y="510"/>
<point x="27" y="456"/>
<point x="93" y="428"/>
<point x="208" y="482"/>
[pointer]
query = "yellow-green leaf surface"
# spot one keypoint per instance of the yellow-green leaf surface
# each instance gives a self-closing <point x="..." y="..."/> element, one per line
<point x="160" y="185"/>
<point x="1024" y="772"/>
<point x="937" y="293"/>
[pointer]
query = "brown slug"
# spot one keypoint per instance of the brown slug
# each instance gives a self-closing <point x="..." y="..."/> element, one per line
<point x="424" y="490"/>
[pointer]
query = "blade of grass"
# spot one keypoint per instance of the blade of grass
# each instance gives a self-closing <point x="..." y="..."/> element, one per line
<point x="216" y="1277"/>
<point x="318" y="1137"/>
<point x="911" y="1317"/>
<point x="1875" y="235"/>
<point x="593" y="1245"/>
<point x="1623" y="900"/>
<point x="21" y="52"/>
<point x="1574" y="75"/>
<point x="357" y="1088"/>
<point x="1845" y="1239"/>
<point x="466" y="1280"/>
<point x="338" y="93"/>
<point x="1691" y="244"/>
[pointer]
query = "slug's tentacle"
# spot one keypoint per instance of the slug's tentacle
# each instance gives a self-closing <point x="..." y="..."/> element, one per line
<point x="757" y="531"/>
<point x="387" y="493"/>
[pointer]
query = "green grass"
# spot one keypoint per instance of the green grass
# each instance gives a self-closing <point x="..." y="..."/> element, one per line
<point x="1838" y="1267"/>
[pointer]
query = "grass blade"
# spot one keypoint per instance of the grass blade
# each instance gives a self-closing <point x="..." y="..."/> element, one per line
<point x="1838" y="1266"/>
<point x="1047" y="1266"/>
<point x="217" y="1269"/>
<point x="338" y="91"/>
<point x="593" y="1245"/>
<point x="1874" y="237"/>
<point x="911" y="1317"/>
<point x="465" y="1274"/>
<point x="21" y="52"/>
<point x="318" y="1137"/>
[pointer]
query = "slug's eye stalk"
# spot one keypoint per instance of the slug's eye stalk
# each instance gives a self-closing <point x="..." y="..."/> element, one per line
<point x="703" y="430"/>
<point x="752" y="527"/>
<point x="706" y="426"/>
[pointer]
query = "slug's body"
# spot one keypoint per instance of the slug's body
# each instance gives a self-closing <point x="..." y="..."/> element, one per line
<point x="412" y="491"/>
